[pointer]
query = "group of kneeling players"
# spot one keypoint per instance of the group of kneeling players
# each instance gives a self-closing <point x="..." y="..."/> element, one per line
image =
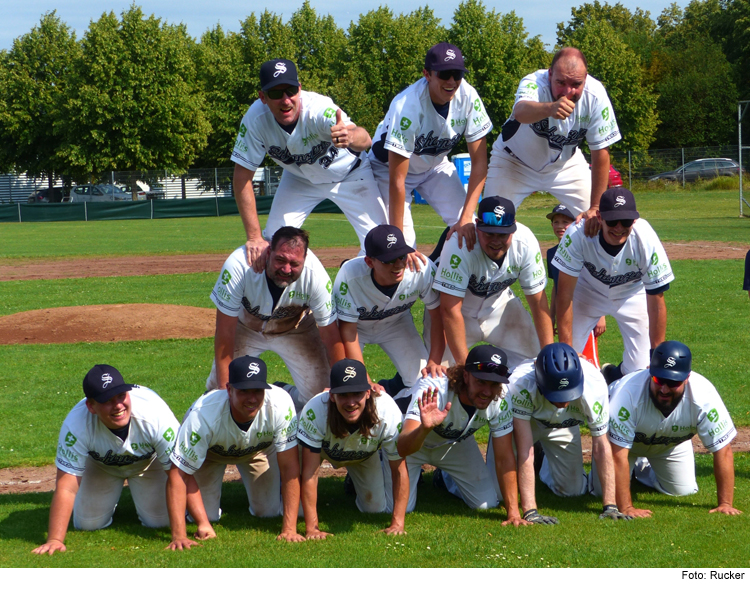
<point x="531" y="391"/>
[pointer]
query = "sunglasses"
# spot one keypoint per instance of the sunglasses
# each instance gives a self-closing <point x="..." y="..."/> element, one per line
<point x="392" y="261"/>
<point x="669" y="383"/>
<point x="279" y="93"/>
<point x="445" y="75"/>
<point x="490" y="367"/>
<point x="626" y="223"/>
<point x="491" y="219"/>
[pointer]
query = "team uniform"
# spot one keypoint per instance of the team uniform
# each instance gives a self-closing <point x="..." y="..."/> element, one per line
<point x="103" y="460"/>
<point x="314" y="169"/>
<point x="210" y="439"/>
<point x="491" y="311"/>
<point x="615" y="285"/>
<point x="287" y="327"/>
<point x="665" y="442"/>
<point x="544" y="156"/>
<point x="746" y="284"/>
<point x="359" y="454"/>
<point x="414" y="129"/>
<point x="387" y="320"/>
<point x="451" y="446"/>
<point x="558" y="428"/>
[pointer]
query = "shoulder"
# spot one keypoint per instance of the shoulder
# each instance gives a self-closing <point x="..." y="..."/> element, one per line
<point x="523" y="374"/>
<point x="594" y="87"/>
<point x="524" y="236"/>
<point x="314" y="103"/>
<point x="354" y="268"/>
<point x="237" y="261"/>
<point x="314" y="266"/>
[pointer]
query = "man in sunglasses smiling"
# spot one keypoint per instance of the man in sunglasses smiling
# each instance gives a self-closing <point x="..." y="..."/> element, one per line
<point x="622" y="272"/>
<point x="410" y="148"/>
<point x="654" y="414"/>
<point x="320" y="150"/>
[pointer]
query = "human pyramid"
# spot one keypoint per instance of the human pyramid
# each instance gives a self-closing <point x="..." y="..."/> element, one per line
<point x="483" y="358"/>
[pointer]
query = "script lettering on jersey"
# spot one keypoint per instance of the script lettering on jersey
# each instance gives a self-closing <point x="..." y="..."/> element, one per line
<point x="323" y="151"/>
<point x="612" y="280"/>
<point x="570" y="422"/>
<point x="454" y="434"/>
<point x="485" y="289"/>
<point x="654" y="440"/>
<point x="282" y="312"/>
<point x="558" y="141"/>
<point x="374" y="315"/>
<point x="234" y="451"/>
<point x="337" y="454"/>
<point x="432" y="145"/>
<point x="119" y="459"/>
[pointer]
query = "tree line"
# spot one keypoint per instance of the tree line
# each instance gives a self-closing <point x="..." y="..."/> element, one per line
<point x="137" y="93"/>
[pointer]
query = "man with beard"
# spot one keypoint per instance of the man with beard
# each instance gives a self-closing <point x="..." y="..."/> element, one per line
<point x="653" y="415"/>
<point x="538" y="149"/>
<point x="286" y="308"/>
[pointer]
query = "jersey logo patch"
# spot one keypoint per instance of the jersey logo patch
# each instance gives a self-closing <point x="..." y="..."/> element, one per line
<point x="405" y="123"/>
<point x="343" y="288"/>
<point x="713" y="415"/>
<point x="70" y="439"/>
<point x="194" y="438"/>
<point x="168" y="435"/>
<point x="310" y="415"/>
<point x="605" y="113"/>
<point x="226" y="277"/>
<point x="623" y="415"/>
<point x="455" y="261"/>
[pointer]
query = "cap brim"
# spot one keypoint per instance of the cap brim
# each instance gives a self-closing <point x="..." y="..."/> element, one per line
<point x="497" y="229"/>
<point x="614" y="215"/>
<point x="488" y="376"/>
<point x="280" y="81"/>
<point x="668" y="374"/>
<point x="250" y="385"/>
<point x="441" y="67"/>
<point x="394" y="254"/>
<point x="551" y="216"/>
<point x="103" y="398"/>
<point x="354" y="388"/>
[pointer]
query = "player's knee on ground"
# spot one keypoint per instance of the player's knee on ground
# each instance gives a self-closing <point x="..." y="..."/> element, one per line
<point x="89" y="524"/>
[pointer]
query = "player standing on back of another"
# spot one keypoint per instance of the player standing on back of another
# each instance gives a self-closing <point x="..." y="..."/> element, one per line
<point x="410" y="148"/>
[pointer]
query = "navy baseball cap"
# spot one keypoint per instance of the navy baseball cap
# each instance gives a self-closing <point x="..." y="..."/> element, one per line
<point x="488" y="363"/>
<point x="103" y="382"/>
<point x="444" y="56"/>
<point x="247" y="372"/>
<point x="617" y="203"/>
<point x="386" y="243"/>
<point x="348" y="376"/>
<point x="497" y="215"/>
<point x="560" y="210"/>
<point x="278" y="72"/>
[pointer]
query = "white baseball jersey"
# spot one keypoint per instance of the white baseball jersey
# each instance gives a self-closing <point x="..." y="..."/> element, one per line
<point x="458" y="425"/>
<point x="413" y="128"/>
<point x="461" y="269"/>
<point x="307" y="152"/>
<point x="592" y="408"/>
<point x="315" y="432"/>
<point x="548" y="141"/>
<point x="209" y="426"/>
<point x="636" y="424"/>
<point x="152" y="434"/>
<point x="641" y="263"/>
<point x="358" y="300"/>
<point x="241" y="292"/>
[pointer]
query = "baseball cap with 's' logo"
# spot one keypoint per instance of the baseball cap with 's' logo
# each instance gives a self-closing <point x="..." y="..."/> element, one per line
<point x="247" y="372"/>
<point x="278" y="72"/>
<point x="617" y="203"/>
<point x="386" y="243"/>
<point x="496" y="215"/>
<point x="348" y="376"/>
<point x="444" y="56"/>
<point x="103" y="382"/>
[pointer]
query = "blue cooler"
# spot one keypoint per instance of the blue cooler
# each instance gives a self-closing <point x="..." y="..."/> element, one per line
<point x="462" y="161"/>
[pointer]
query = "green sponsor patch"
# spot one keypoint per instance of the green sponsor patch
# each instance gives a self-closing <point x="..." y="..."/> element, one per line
<point x="343" y="288"/>
<point x="597" y="408"/>
<point x="70" y="439"/>
<point x="194" y="438"/>
<point x="455" y="261"/>
<point x="605" y="113"/>
<point x="623" y="414"/>
<point x="243" y="130"/>
<point x="654" y="259"/>
<point x="329" y="286"/>
<point x="713" y="415"/>
<point x="226" y="277"/>
<point x="168" y="435"/>
<point x="405" y="123"/>
<point x="311" y="415"/>
<point x="329" y="113"/>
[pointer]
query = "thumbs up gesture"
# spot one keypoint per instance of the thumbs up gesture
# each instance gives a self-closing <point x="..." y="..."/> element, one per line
<point x="340" y="131"/>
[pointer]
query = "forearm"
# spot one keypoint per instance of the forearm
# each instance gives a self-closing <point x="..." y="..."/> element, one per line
<point x="244" y="195"/>
<point x="400" y="481"/>
<point x="360" y="139"/>
<point x="195" y="506"/>
<point x="437" y="336"/>
<point x="526" y="475"/>
<point x="398" y="167"/>
<point x="528" y="112"/>
<point x="455" y="330"/>
<point x="331" y="337"/>
<point x="411" y="441"/>
<point x="224" y="337"/>
<point x="350" y="340"/>
<point x="290" y="495"/>
<point x="657" y="318"/>
<point x="602" y="454"/>
<point x="477" y="178"/>
<point x="622" y="478"/>
<point x="724" y="474"/>
<point x="59" y="514"/>
<point x="541" y="317"/>
<point x="505" y="468"/>
<point x="309" y="490"/>
<point x="177" y="502"/>
<point x="564" y="303"/>
<point x="599" y="175"/>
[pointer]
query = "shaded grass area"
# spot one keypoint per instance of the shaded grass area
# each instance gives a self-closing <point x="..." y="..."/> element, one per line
<point x="442" y="532"/>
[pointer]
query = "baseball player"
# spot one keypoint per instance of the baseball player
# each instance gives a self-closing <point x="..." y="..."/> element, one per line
<point x="555" y="111"/>
<point x="623" y="272"/>
<point x="476" y="301"/>
<point x="423" y="124"/>
<point x="653" y="415"/>
<point x="350" y="425"/>
<point x="440" y="424"/>
<point x="270" y="310"/>
<point x="250" y="424"/>
<point x="551" y="396"/>
<point x="374" y="295"/>
<point x="320" y="149"/>
<point x="561" y="218"/>
<point x="119" y="431"/>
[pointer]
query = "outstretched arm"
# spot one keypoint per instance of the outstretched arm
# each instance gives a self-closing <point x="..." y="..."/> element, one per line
<point x="724" y="473"/>
<point x="657" y="318"/>
<point x="400" y="480"/>
<point x="289" y="471"/>
<point x="66" y="488"/>
<point x="244" y="195"/>
<point x="309" y="490"/>
<point x="505" y="468"/>
<point x="465" y="226"/>
<point x="413" y="434"/>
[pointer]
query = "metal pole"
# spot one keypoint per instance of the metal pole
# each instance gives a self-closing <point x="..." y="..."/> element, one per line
<point x="19" y="212"/>
<point x="216" y="188"/>
<point x="630" y="172"/>
<point x="739" y="146"/>
<point x="112" y="178"/>
<point x="683" y="167"/>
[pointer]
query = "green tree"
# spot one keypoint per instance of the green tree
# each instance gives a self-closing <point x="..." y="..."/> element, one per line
<point x="133" y="103"/>
<point x="34" y="77"/>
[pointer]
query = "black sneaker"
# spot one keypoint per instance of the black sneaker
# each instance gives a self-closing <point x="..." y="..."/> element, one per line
<point x="438" y="481"/>
<point x="611" y="373"/>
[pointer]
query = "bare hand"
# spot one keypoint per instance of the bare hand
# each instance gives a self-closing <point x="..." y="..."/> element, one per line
<point x="434" y="369"/>
<point x="413" y="261"/>
<point x="467" y="232"/>
<point x="394" y="530"/>
<point x="562" y="108"/>
<point x="429" y="411"/>
<point x="600" y="327"/>
<point x="290" y="536"/>
<point x="516" y="521"/>
<point x="637" y="512"/>
<point x="182" y="544"/>
<point x="375" y="387"/>
<point x="317" y="535"/>
<point x="340" y="132"/>
<point x="50" y="547"/>
<point x="592" y="226"/>
<point x="724" y="508"/>
<point x="205" y="533"/>
<point x="257" y="254"/>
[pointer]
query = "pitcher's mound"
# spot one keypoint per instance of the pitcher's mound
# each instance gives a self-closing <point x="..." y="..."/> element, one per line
<point x="107" y="322"/>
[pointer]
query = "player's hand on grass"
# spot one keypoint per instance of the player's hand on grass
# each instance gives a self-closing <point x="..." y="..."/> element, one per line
<point x="724" y="508"/>
<point x="290" y="536"/>
<point x="592" y="225"/>
<point x="516" y="521"/>
<point x="434" y="369"/>
<point x="467" y="232"/>
<point x="600" y="327"/>
<point x="429" y="411"/>
<point x="415" y="260"/>
<point x="205" y="533"/>
<point x="50" y="547"/>
<point x="612" y="512"/>
<point x="257" y="253"/>
<point x="182" y="544"/>
<point x="633" y="512"/>
<point x="394" y="530"/>
<point x="316" y="534"/>
<point x="533" y="516"/>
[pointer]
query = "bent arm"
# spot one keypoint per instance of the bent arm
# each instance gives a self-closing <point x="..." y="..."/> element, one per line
<point x="566" y="285"/>
<point x="360" y="138"/>
<point x="412" y="437"/>
<point x="528" y="112"/>
<point x="226" y="327"/>
<point x="657" y="318"/>
<point x="541" y="316"/>
<point x="244" y="195"/>
<point x="66" y="489"/>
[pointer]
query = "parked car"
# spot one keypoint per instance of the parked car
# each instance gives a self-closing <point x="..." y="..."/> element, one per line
<point x="140" y="192"/>
<point x="42" y="195"/>
<point x="701" y="168"/>
<point x="98" y="193"/>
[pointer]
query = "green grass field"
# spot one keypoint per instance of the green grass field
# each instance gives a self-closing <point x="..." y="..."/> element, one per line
<point x="707" y="310"/>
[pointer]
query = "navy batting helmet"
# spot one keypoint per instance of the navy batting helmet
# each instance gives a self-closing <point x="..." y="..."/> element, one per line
<point x="558" y="373"/>
<point x="671" y="360"/>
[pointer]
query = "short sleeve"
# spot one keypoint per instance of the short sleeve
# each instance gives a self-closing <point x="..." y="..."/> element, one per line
<point x="532" y="276"/>
<point x="404" y="116"/>
<point x="191" y="446"/>
<point x="453" y="274"/>
<point x="312" y="425"/>
<point x="285" y="421"/>
<point x="321" y="301"/>
<point x="715" y="426"/>
<point x="345" y="308"/>
<point x="249" y="149"/>
<point x="569" y="258"/>
<point x="230" y="287"/>
<point x="479" y="124"/>
<point x="72" y="452"/>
